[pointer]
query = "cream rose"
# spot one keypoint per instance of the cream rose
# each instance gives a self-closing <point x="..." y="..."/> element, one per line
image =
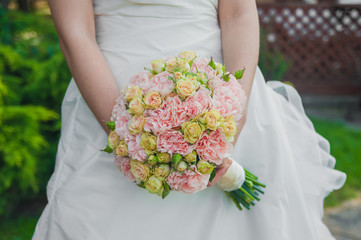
<point x="149" y="143"/>
<point x="192" y="130"/>
<point x="136" y="106"/>
<point x="136" y="124"/>
<point x="139" y="170"/>
<point x="229" y="128"/>
<point x="185" y="88"/>
<point x="133" y="93"/>
<point x="113" y="139"/>
<point x="154" y="185"/>
<point x="153" y="100"/>
<point x="188" y="55"/>
<point x="181" y="166"/>
<point x="157" y="65"/>
<point x="122" y="149"/>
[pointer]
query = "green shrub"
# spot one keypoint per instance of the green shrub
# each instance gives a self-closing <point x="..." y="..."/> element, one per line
<point x="34" y="77"/>
<point x="271" y="61"/>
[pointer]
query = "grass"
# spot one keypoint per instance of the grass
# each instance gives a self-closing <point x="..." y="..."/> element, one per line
<point x="345" y="147"/>
<point x="345" y="144"/>
<point x="21" y="228"/>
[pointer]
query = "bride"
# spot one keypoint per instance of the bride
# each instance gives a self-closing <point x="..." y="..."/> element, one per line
<point x="105" y="42"/>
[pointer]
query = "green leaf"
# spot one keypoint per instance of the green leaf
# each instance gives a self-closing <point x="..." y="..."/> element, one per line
<point x="166" y="190"/>
<point x="107" y="149"/>
<point x="191" y="62"/>
<point x="141" y="184"/>
<point x="212" y="64"/>
<point x="111" y="125"/>
<point x="239" y="73"/>
<point x="151" y="71"/>
<point x="213" y="174"/>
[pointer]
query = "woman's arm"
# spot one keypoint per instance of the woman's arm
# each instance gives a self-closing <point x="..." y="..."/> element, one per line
<point x="240" y="47"/>
<point x="74" y="22"/>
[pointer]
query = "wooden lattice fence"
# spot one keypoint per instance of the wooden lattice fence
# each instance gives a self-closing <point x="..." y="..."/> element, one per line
<point x="322" y="44"/>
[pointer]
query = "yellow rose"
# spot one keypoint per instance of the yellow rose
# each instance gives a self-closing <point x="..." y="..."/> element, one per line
<point x="136" y="124"/>
<point x="213" y="119"/>
<point x="153" y="100"/>
<point x="192" y="130"/>
<point x="202" y="78"/>
<point x="229" y="128"/>
<point x="185" y="88"/>
<point x="162" y="170"/>
<point x="136" y="106"/>
<point x="154" y="185"/>
<point x="139" y="170"/>
<point x="133" y="93"/>
<point x="191" y="157"/>
<point x="195" y="82"/>
<point x="204" y="167"/>
<point x="157" y="65"/>
<point x="163" y="157"/>
<point x="188" y="55"/>
<point x="113" y="139"/>
<point x="149" y="143"/>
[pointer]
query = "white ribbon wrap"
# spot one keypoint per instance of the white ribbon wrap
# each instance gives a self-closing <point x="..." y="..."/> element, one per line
<point x="233" y="178"/>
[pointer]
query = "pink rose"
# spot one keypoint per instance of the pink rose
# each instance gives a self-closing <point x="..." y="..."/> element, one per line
<point x="172" y="142"/>
<point x="141" y="80"/>
<point x="198" y="103"/>
<point x="123" y="164"/>
<point x="121" y="125"/>
<point x="195" y="181"/>
<point x="135" y="151"/>
<point x="162" y="84"/>
<point x="189" y="181"/>
<point x="228" y="97"/>
<point x="214" y="147"/>
<point x="171" y="114"/>
<point x="119" y="107"/>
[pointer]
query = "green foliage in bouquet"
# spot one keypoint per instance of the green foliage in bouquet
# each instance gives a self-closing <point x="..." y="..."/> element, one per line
<point x="34" y="76"/>
<point x="271" y="61"/>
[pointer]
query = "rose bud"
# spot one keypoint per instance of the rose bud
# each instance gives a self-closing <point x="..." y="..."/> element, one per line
<point x="181" y="166"/>
<point x="191" y="157"/>
<point x="188" y="55"/>
<point x="204" y="167"/>
<point x="162" y="170"/>
<point x="163" y="157"/>
<point x="152" y="160"/>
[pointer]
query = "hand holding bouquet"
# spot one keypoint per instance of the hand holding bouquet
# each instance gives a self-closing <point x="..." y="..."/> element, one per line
<point x="174" y="124"/>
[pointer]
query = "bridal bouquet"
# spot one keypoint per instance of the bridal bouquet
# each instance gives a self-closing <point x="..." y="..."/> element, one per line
<point x="173" y="125"/>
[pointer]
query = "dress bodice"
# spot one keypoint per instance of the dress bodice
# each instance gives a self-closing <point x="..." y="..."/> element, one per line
<point x="131" y="33"/>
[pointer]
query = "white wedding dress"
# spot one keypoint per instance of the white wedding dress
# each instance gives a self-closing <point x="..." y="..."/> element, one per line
<point x="88" y="198"/>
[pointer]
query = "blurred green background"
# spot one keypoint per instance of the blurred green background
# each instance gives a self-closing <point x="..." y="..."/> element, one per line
<point x="33" y="80"/>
